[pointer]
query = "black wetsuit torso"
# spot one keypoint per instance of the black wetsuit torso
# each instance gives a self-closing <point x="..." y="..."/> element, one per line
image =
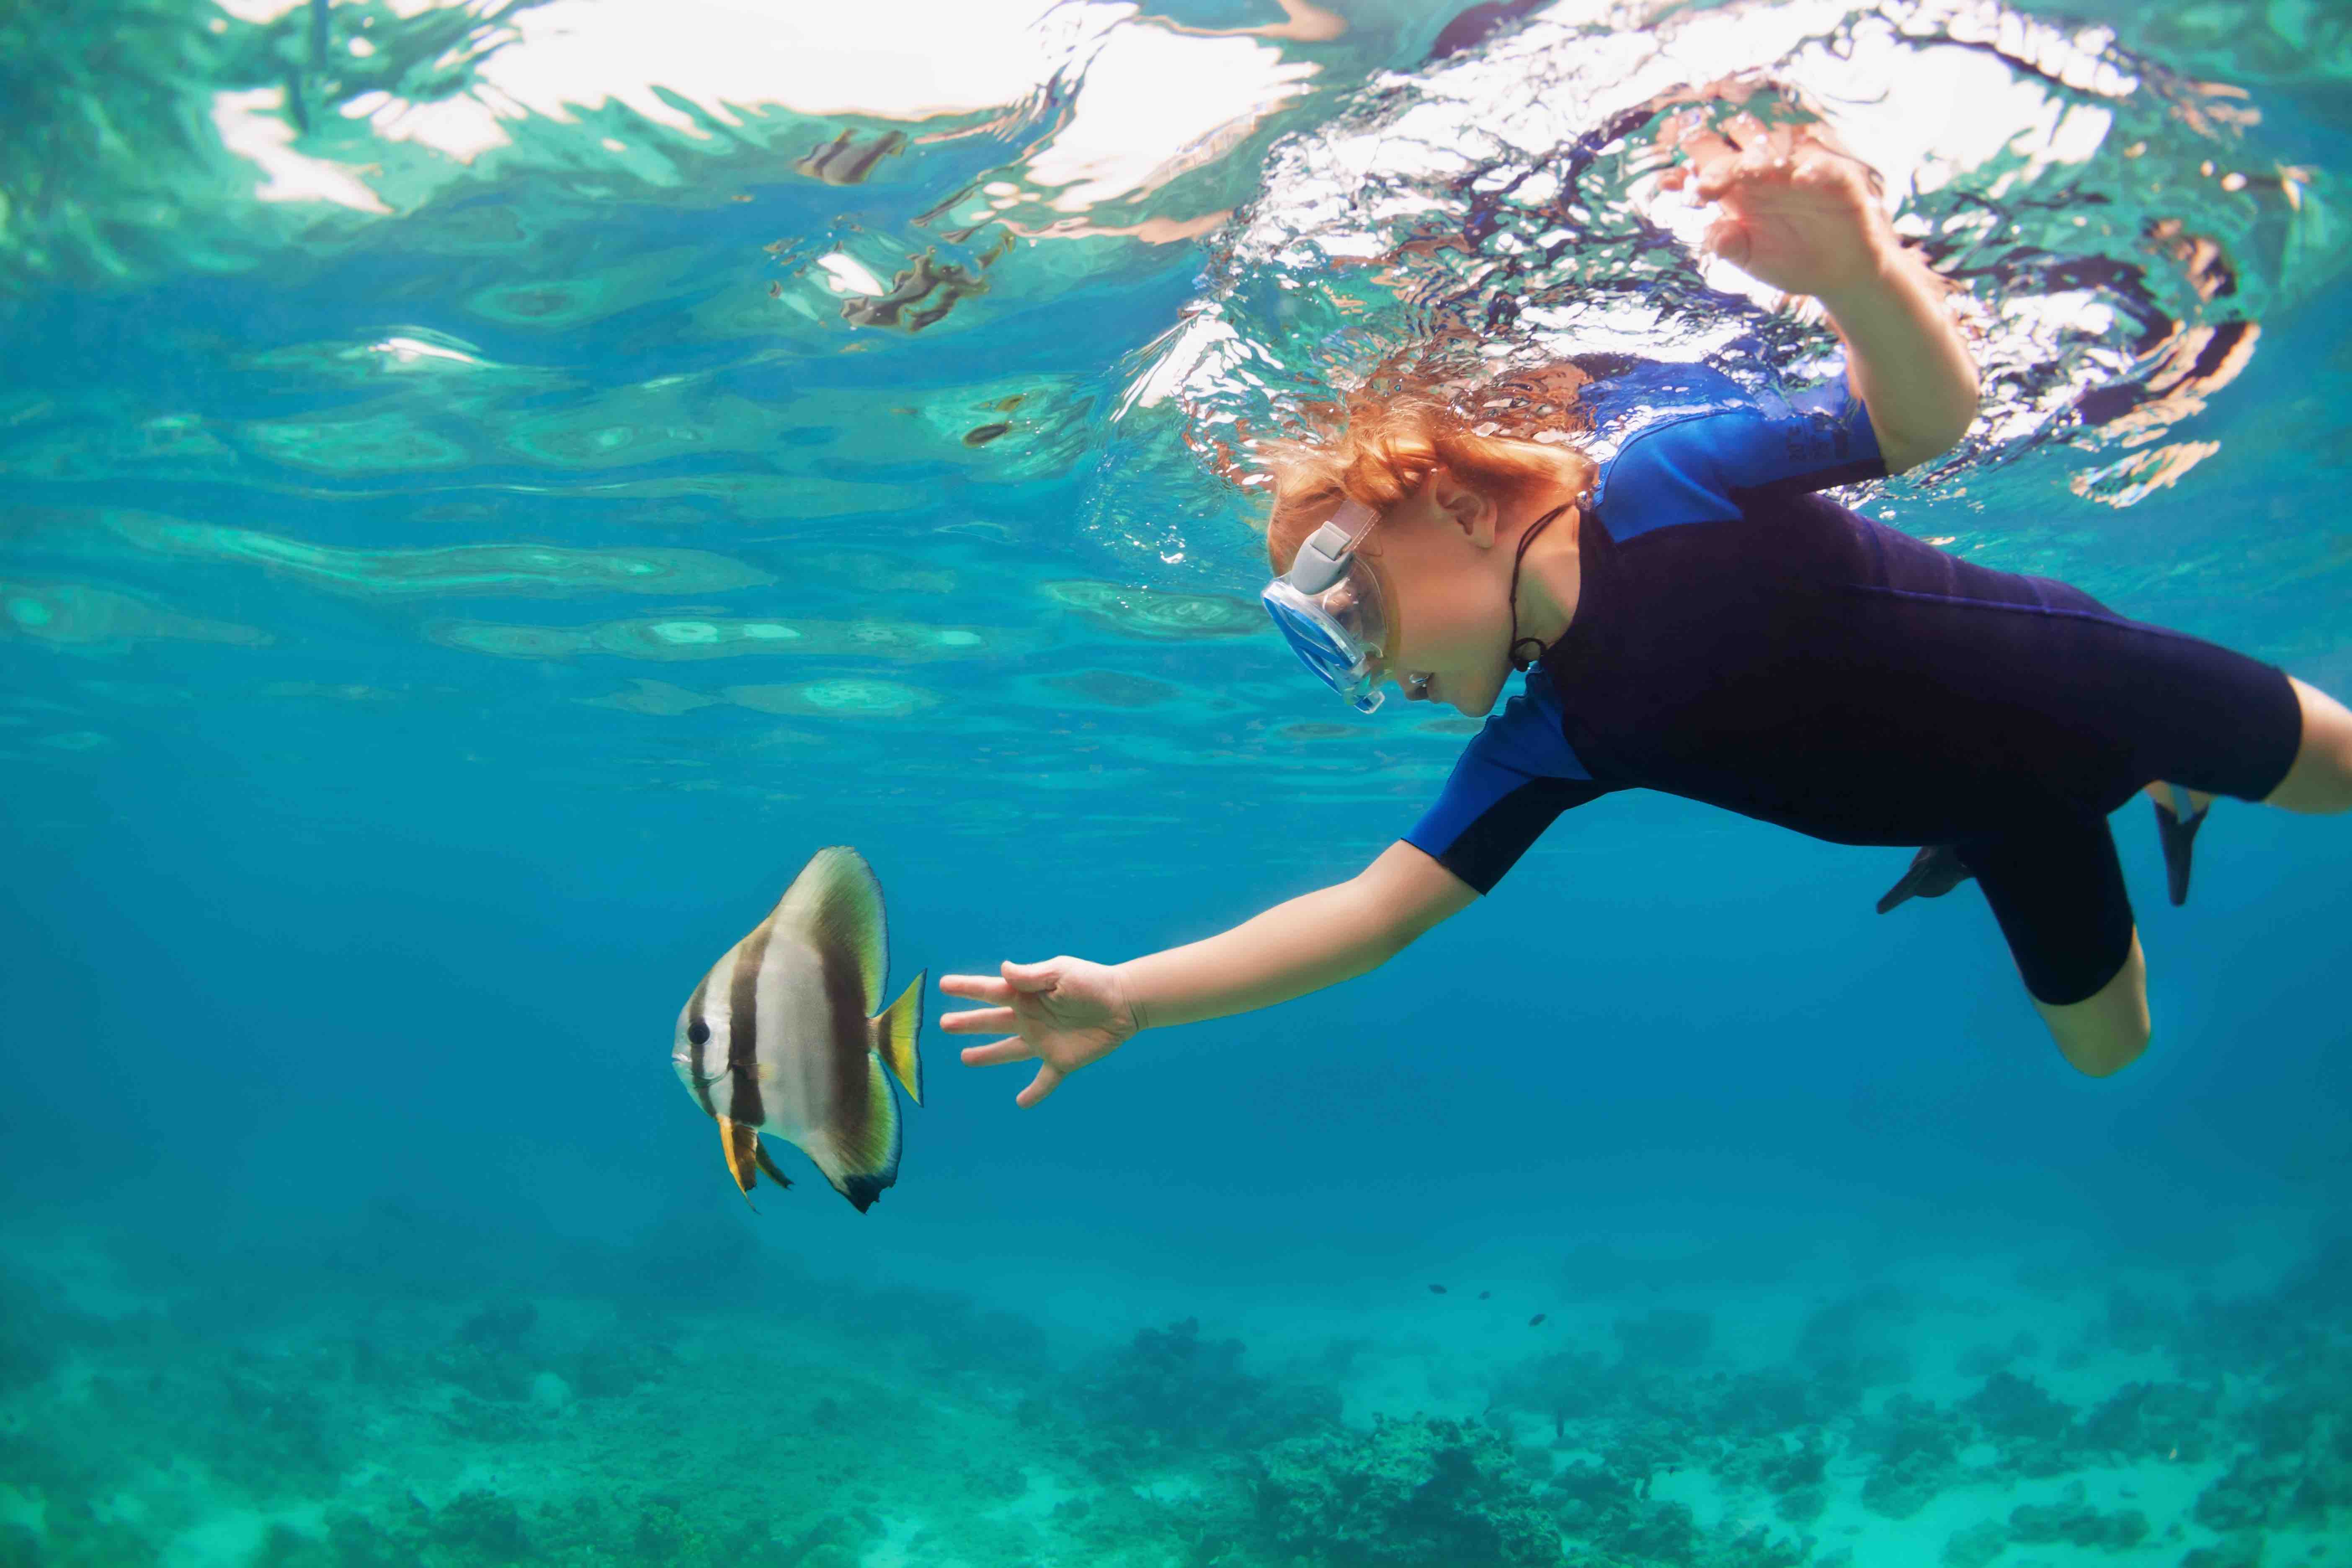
<point x="1742" y="641"/>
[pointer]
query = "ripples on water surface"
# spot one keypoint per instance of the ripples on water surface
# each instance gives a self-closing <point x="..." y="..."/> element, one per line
<point x="436" y="439"/>
<point x="373" y="324"/>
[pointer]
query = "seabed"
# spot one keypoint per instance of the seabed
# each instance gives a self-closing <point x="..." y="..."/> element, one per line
<point x="1987" y="1413"/>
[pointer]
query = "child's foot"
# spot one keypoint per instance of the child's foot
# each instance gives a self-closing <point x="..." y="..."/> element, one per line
<point x="1935" y="871"/>
<point x="2178" y="833"/>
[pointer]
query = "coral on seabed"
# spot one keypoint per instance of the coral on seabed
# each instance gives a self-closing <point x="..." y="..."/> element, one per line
<point x="2077" y="1523"/>
<point x="2151" y="1421"/>
<point x="1918" y="1452"/>
<point x="2032" y="1430"/>
<point x="1184" y="1391"/>
<point x="453" y="1416"/>
<point x="1406" y="1493"/>
<point x="1976" y="1546"/>
<point x="1858" y="1340"/>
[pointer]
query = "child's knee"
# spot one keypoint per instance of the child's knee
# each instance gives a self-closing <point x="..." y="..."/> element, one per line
<point x="2103" y="1051"/>
<point x="2103" y="1033"/>
<point x="2320" y="778"/>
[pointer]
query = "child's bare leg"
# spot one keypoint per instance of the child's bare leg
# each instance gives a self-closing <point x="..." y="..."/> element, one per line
<point x="2105" y="1031"/>
<point x="2319" y="782"/>
<point x="2321" y="779"/>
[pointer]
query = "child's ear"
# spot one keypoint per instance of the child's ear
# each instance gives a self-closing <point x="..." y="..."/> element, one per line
<point x="1463" y="506"/>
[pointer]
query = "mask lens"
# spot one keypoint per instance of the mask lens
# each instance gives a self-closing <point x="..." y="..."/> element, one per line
<point x="1328" y="606"/>
<point x="1337" y="634"/>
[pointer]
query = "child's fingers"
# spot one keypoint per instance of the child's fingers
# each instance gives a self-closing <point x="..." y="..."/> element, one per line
<point x="1048" y="1079"/>
<point x="997" y="1052"/>
<point x="1674" y="127"/>
<point x="976" y="987"/>
<point x="979" y="1021"/>
<point x="1706" y="147"/>
<point x="1728" y="238"/>
<point x="1756" y="170"/>
<point x="1714" y="165"/>
<point x="1744" y="131"/>
<point x="1750" y="134"/>
<point x="1032" y="976"/>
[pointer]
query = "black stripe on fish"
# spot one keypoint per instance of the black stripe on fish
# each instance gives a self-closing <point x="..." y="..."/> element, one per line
<point x="697" y="1035"/>
<point x="746" y="1105"/>
<point x="845" y="990"/>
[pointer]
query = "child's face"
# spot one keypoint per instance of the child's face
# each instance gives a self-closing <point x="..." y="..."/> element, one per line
<point x="1446" y="587"/>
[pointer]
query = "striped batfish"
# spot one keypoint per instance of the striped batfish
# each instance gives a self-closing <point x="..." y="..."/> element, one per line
<point x="787" y="1034"/>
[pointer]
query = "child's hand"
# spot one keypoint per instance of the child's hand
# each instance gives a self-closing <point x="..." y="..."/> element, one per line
<point x="1069" y="1014"/>
<point x="1798" y="213"/>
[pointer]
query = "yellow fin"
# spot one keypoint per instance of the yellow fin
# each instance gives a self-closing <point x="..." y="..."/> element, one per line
<point x="740" y="1144"/>
<point x="836" y="900"/>
<point x="895" y="1037"/>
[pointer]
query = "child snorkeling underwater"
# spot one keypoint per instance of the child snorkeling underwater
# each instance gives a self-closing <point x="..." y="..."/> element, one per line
<point x="1692" y="617"/>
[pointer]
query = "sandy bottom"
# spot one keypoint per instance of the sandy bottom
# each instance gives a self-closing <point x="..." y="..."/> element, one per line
<point x="1966" y="1412"/>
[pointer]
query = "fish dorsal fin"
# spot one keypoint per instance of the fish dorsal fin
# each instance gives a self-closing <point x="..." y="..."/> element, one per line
<point x="837" y="901"/>
<point x="895" y="1034"/>
<point x="859" y="1153"/>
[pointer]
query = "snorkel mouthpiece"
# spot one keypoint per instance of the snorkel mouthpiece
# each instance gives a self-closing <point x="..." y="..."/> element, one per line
<point x="1328" y="606"/>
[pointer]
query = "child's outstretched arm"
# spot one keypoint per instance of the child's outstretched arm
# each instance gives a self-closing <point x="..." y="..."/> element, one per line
<point x="1066" y="1013"/>
<point x="1799" y="212"/>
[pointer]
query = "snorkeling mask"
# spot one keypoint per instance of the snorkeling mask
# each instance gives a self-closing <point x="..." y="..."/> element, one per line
<point x="1329" y="608"/>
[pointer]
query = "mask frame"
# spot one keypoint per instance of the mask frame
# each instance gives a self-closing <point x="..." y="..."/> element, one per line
<point x="1329" y="608"/>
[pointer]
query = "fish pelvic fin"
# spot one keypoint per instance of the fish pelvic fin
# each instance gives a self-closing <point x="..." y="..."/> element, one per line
<point x="860" y="1155"/>
<point x="837" y="901"/>
<point x="739" y="1143"/>
<point x="895" y="1033"/>
<point x="759" y="1153"/>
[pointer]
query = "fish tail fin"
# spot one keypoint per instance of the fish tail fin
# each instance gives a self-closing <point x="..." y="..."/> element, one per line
<point x="895" y="1030"/>
<point x="860" y="1156"/>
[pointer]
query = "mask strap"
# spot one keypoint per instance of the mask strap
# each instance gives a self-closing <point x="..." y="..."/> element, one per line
<point x="1323" y="559"/>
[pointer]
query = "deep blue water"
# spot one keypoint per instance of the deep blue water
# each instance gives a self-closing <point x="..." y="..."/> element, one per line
<point x="386" y="758"/>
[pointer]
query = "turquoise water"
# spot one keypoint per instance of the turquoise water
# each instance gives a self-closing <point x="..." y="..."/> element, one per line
<point x="481" y="509"/>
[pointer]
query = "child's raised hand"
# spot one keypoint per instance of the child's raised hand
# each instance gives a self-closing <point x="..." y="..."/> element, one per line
<point x="1797" y="212"/>
<point x="1069" y="1013"/>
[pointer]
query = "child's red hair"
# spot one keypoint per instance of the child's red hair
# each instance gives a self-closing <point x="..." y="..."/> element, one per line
<point x="1380" y="446"/>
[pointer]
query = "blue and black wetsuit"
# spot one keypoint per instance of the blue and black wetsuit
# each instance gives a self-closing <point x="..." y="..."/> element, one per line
<point x="1743" y="641"/>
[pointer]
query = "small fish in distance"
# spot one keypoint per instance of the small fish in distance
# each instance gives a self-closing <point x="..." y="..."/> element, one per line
<point x="1437" y="1290"/>
<point x="787" y="1034"/>
<point x="1484" y="1294"/>
<point x="1536" y="1322"/>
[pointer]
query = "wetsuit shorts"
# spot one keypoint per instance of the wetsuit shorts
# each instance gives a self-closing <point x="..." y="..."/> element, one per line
<point x="1742" y="641"/>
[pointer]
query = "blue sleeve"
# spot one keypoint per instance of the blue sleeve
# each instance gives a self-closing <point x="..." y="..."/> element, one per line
<point x="1706" y="460"/>
<point x="1516" y="775"/>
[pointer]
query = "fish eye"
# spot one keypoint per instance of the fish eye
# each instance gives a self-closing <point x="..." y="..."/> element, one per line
<point x="698" y="1031"/>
